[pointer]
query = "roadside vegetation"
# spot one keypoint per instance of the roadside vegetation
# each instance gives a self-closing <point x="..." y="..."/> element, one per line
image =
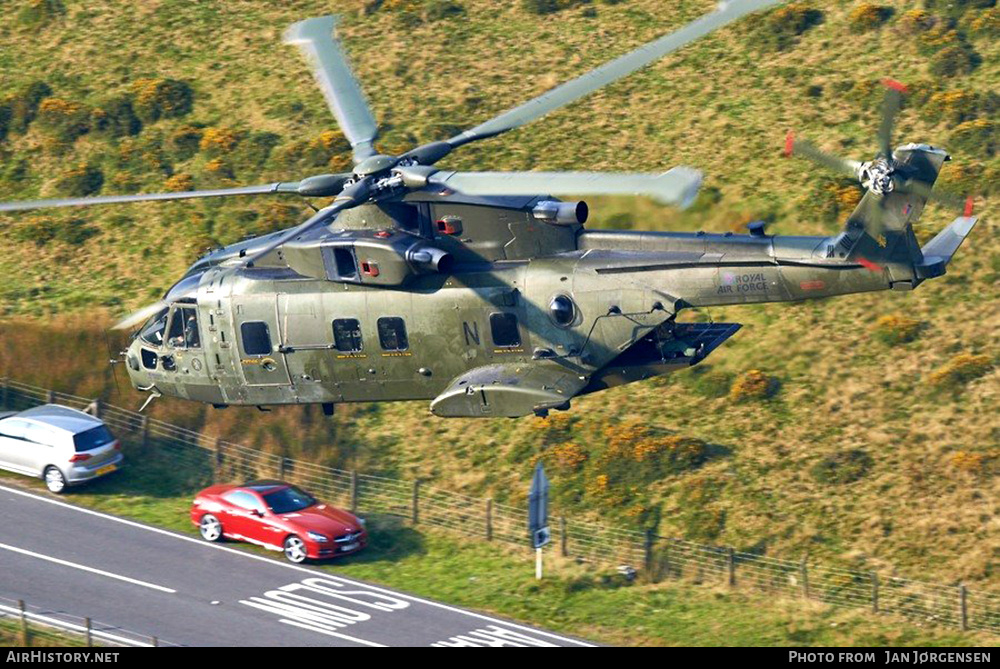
<point x="861" y="431"/>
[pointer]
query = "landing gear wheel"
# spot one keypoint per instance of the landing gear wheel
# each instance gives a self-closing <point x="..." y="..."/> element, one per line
<point x="54" y="480"/>
<point x="295" y="549"/>
<point x="210" y="528"/>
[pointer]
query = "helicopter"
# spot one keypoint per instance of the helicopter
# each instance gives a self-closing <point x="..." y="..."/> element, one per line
<point x="482" y="291"/>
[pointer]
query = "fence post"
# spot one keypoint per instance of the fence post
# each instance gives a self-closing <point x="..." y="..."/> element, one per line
<point x="647" y="554"/>
<point x="155" y="642"/>
<point x="144" y="430"/>
<point x="804" y="573"/>
<point x="25" y="640"/>
<point x="282" y="467"/>
<point x="963" y="600"/>
<point x="489" y="519"/>
<point x="874" y="578"/>
<point x="50" y="397"/>
<point x="563" y="537"/>
<point x="354" y="491"/>
<point x="416" y="502"/>
<point x="731" y="566"/>
<point x="4" y="390"/>
<point x="87" y="634"/>
<point x="219" y="456"/>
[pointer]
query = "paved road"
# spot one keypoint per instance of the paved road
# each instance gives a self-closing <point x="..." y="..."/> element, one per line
<point x="64" y="558"/>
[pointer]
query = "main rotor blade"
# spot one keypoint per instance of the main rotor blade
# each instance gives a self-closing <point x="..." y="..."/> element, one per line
<point x="314" y="37"/>
<point x="678" y="186"/>
<point x="351" y="196"/>
<point x="137" y="318"/>
<point x="802" y="147"/>
<point x="890" y="109"/>
<point x="609" y="72"/>
<point x="279" y="187"/>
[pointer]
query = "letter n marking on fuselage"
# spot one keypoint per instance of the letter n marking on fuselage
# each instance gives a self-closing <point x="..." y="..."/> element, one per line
<point x="471" y="334"/>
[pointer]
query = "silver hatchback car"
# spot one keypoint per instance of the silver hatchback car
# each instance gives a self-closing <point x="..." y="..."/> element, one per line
<point x="60" y="445"/>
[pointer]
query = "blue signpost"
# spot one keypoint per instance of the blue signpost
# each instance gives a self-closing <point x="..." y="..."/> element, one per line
<point x="538" y="515"/>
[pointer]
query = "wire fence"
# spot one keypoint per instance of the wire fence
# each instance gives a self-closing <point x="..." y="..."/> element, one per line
<point x="656" y="558"/>
<point x="37" y="626"/>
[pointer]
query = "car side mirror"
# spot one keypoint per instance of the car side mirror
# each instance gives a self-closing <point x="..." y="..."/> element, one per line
<point x="258" y="513"/>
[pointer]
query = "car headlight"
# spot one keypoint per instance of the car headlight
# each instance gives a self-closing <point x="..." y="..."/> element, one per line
<point x="317" y="537"/>
<point x="361" y="522"/>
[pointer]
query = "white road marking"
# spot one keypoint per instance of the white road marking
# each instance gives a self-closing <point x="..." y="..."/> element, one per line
<point x="82" y="567"/>
<point x="288" y="565"/>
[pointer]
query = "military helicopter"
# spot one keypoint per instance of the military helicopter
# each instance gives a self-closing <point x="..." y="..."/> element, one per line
<point x="482" y="292"/>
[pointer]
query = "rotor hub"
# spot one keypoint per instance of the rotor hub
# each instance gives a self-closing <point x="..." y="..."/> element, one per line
<point x="876" y="176"/>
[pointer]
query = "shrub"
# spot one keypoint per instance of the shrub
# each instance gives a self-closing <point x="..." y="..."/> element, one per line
<point x="843" y="467"/>
<point x="328" y="150"/>
<point x="116" y="118"/>
<point x="74" y="231"/>
<point x="218" y="141"/>
<point x="435" y="10"/>
<point x="954" y="106"/>
<point x="659" y="453"/>
<point x="976" y="137"/>
<point x="24" y="105"/>
<point x="38" y="229"/>
<point x="37" y="13"/>
<point x="179" y="183"/>
<point x="780" y="29"/>
<point x="79" y="181"/>
<point x="973" y="463"/>
<point x="154" y="99"/>
<point x="568" y="457"/>
<point x="62" y="119"/>
<point x="987" y="23"/>
<point x="5" y="115"/>
<point x="752" y="386"/>
<point x="868" y="16"/>
<point x="711" y="383"/>
<point x="219" y="172"/>
<point x="897" y="329"/>
<point x="954" y="59"/>
<point x="278" y="216"/>
<point x="255" y="148"/>
<point x="960" y="370"/>
<point x="184" y="142"/>
<point x="915" y="21"/>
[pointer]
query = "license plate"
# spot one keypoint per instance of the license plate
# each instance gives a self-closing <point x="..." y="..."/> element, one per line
<point x="349" y="547"/>
<point x="106" y="470"/>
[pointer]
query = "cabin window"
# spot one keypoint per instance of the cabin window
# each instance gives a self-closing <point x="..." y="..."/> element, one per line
<point x="256" y="338"/>
<point x="152" y="330"/>
<point x="148" y="358"/>
<point x="392" y="334"/>
<point x="347" y="335"/>
<point x="503" y="326"/>
<point x="184" y="328"/>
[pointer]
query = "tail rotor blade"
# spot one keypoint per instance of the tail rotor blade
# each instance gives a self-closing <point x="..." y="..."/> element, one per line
<point x="948" y="199"/>
<point x="801" y="147"/>
<point x="890" y="109"/>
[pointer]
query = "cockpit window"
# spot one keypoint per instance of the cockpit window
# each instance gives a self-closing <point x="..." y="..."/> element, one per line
<point x="152" y="331"/>
<point x="184" y="328"/>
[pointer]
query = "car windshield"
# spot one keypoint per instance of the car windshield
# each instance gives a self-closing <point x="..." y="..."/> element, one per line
<point x="288" y="499"/>
<point x="93" y="438"/>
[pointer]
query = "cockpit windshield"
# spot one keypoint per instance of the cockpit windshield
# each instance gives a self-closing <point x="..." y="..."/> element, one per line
<point x="152" y="330"/>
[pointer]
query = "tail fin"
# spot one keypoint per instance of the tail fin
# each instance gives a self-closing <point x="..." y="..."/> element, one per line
<point x="937" y="252"/>
<point x="898" y="209"/>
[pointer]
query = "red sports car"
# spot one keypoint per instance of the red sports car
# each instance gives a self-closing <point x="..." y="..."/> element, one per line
<point x="280" y="517"/>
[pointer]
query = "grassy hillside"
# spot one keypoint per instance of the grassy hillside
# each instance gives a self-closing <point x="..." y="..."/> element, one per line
<point x="867" y="441"/>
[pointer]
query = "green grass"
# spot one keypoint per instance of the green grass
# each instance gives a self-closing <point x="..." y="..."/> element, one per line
<point x="39" y="636"/>
<point x="592" y="603"/>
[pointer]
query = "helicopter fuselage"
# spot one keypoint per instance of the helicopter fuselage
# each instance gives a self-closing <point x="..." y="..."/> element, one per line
<point x="528" y="315"/>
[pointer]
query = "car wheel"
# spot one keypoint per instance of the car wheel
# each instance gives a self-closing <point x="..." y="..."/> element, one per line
<point x="295" y="549"/>
<point x="210" y="528"/>
<point x="54" y="479"/>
